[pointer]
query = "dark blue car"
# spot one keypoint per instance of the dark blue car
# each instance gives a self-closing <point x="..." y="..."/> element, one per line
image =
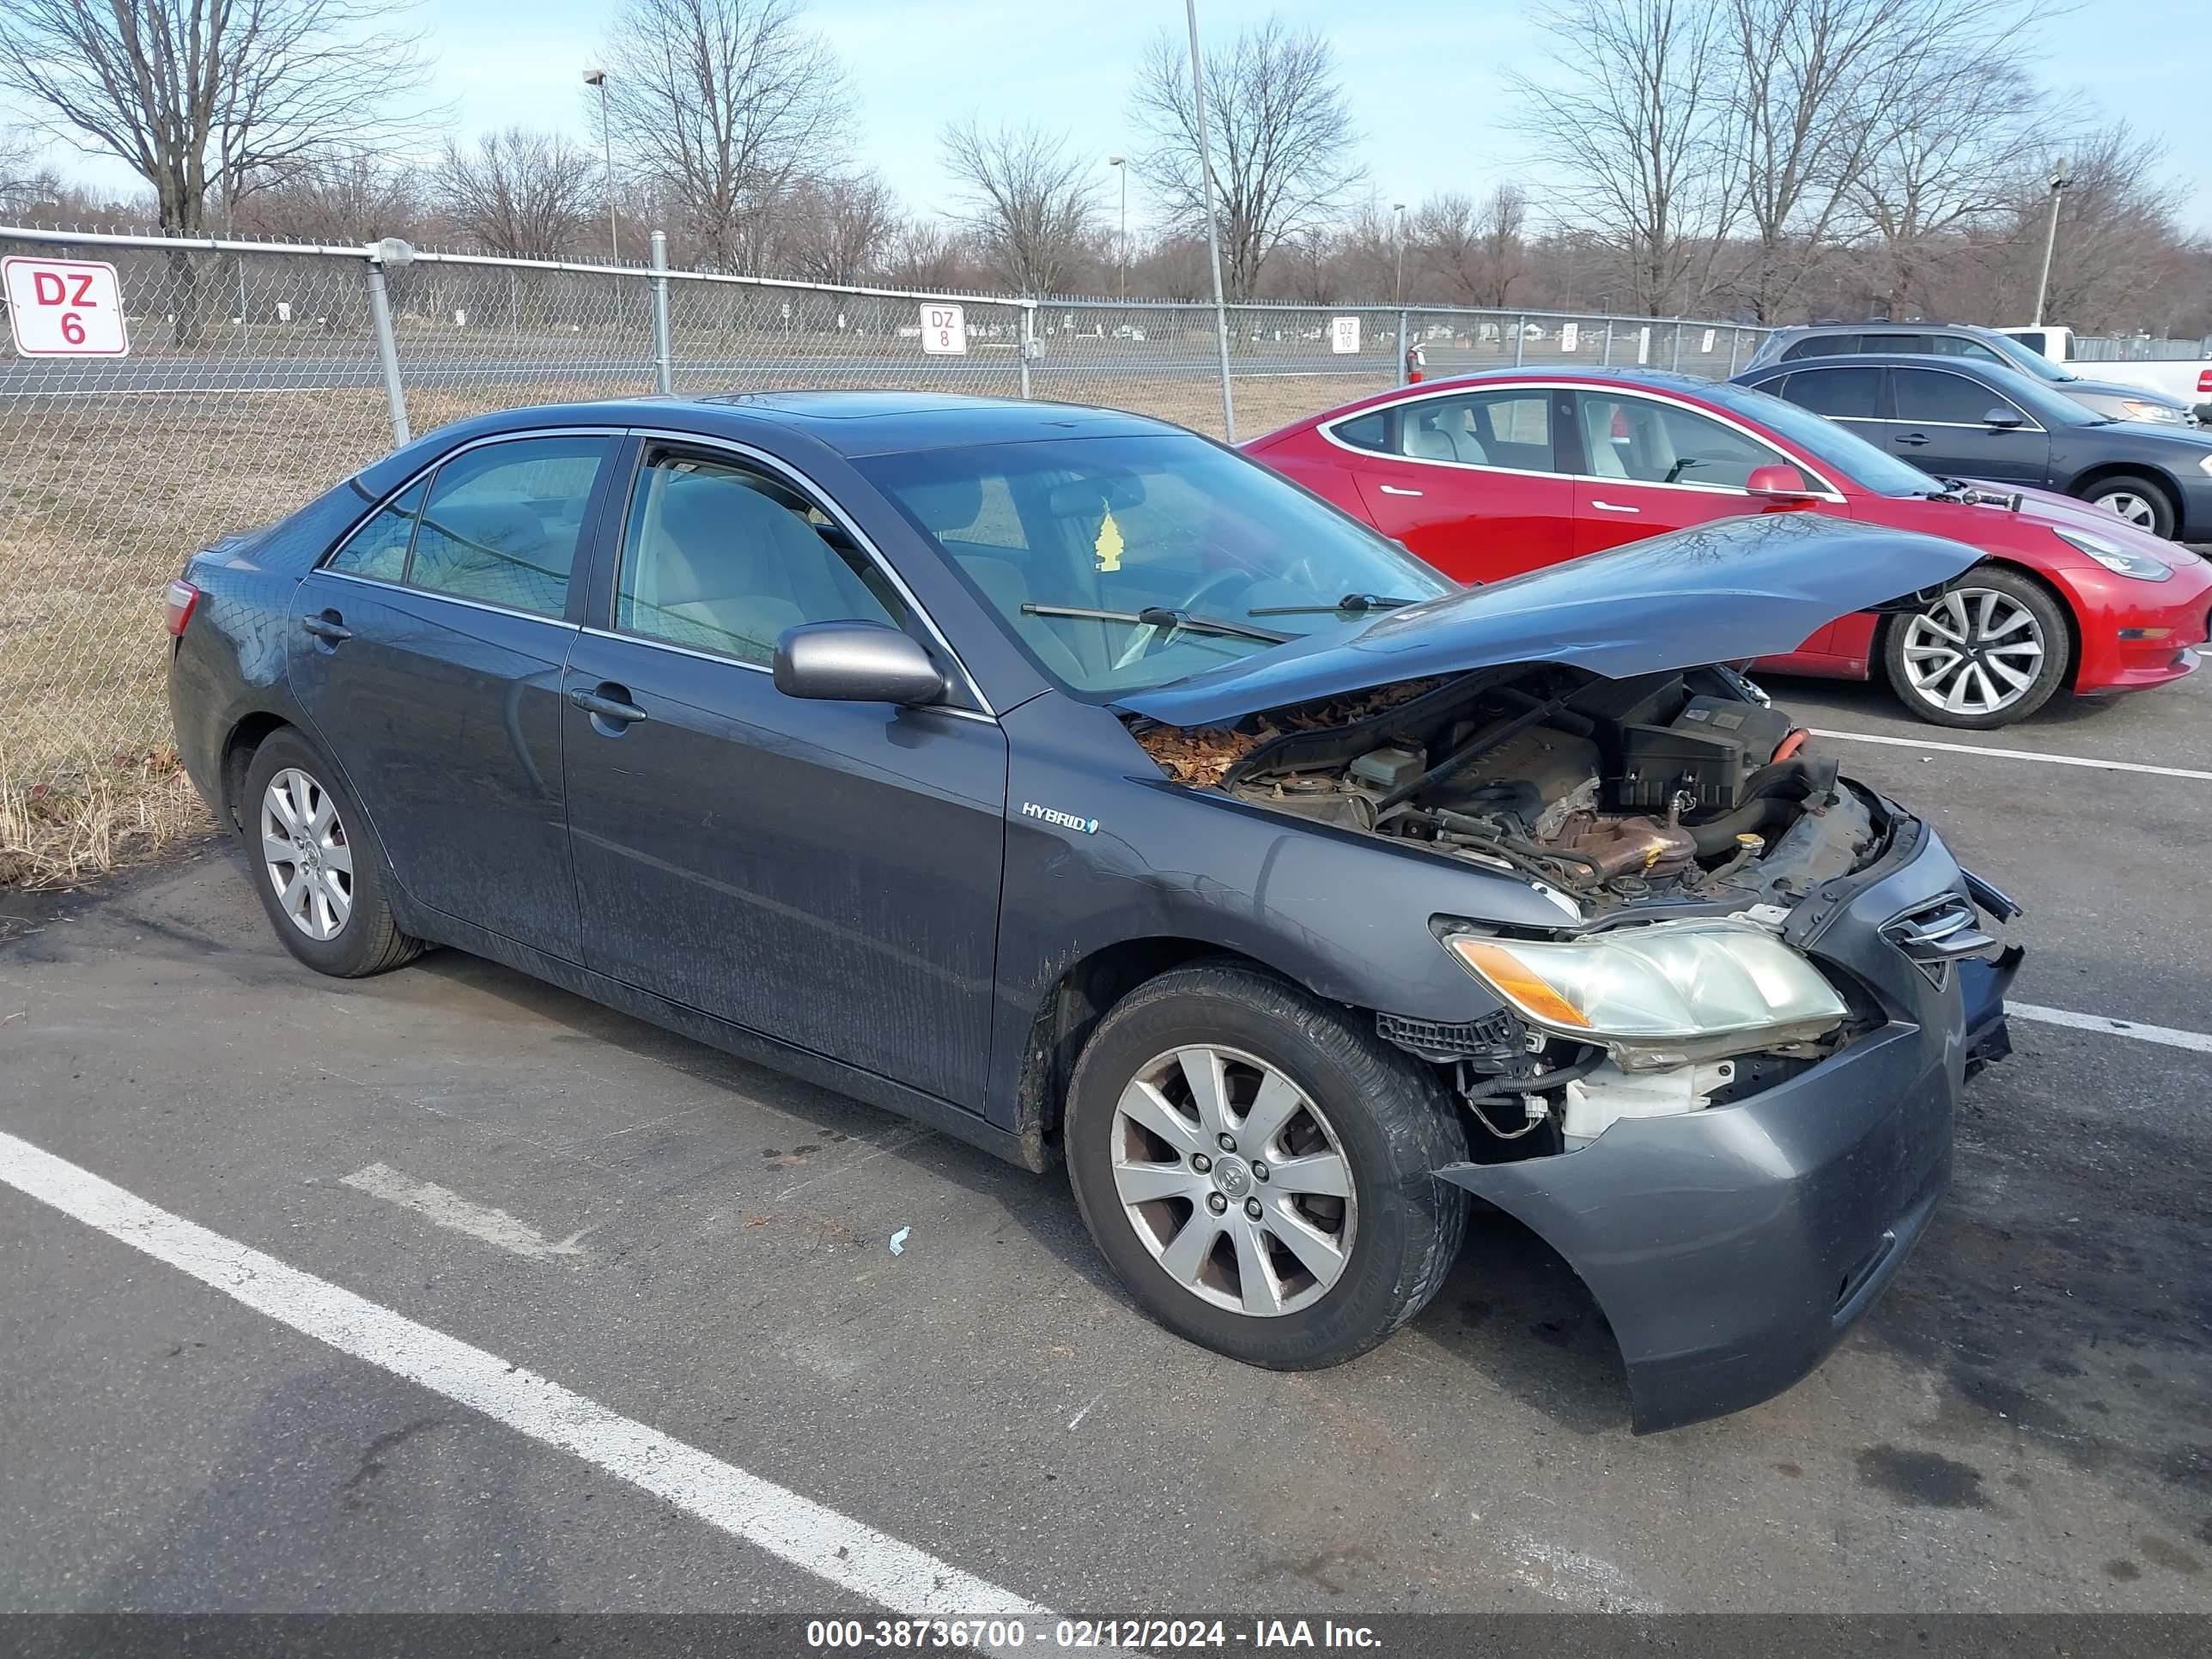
<point x="1077" y="786"/>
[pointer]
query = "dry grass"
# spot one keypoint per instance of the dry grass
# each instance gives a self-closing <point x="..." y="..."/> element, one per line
<point x="103" y="498"/>
<point x="94" y="818"/>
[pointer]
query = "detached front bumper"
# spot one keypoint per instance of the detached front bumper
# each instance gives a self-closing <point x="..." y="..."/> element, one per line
<point x="1731" y="1248"/>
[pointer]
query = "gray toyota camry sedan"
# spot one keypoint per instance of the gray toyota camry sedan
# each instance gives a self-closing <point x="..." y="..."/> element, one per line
<point x="1067" y="782"/>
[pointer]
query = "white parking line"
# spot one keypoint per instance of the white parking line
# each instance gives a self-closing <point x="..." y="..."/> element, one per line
<point x="458" y="1214"/>
<point x="808" y="1534"/>
<point x="2166" y="1035"/>
<point x="2091" y="761"/>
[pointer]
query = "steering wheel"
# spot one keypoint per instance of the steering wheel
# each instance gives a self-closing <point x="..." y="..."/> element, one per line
<point x="1150" y="634"/>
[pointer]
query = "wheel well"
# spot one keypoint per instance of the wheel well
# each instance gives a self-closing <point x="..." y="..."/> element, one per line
<point x="2149" y="474"/>
<point x="1070" y="1011"/>
<point x="2050" y="592"/>
<point x="238" y="751"/>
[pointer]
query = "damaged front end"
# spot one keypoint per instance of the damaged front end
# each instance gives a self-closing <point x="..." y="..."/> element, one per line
<point x="1722" y="1087"/>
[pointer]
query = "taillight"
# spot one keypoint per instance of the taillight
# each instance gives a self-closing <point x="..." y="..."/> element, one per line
<point x="182" y="597"/>
<point x="2204" y="379"/>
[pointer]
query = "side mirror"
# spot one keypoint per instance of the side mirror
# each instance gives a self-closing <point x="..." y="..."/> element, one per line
<point x="1779" y="481"/>
<point x="2005" y="419"/>
<point x="854" y="662"/>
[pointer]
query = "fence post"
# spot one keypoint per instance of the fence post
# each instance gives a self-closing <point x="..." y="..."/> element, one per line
<point x="1402" y="346"/>
<point x="663" y="362"/>
<point x="1520" y="337"/>
<point x="393" y="251"/>
<point x="1735" y="341"/>
<point x="1606" y="358"/>
<point x="1028" y="343"/>
<point x="1676" y="364"/>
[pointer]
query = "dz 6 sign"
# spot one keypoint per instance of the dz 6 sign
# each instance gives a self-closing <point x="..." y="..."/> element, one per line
<point x="64" y="309"/>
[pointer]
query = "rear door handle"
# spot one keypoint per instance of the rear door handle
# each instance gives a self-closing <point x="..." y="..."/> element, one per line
<point x="1914" y="439"/>
<point x="1393" y="490"/>
<point x="1609" y="507"/>
<point x="609" y="703"/>
<point x="328" y="626"/>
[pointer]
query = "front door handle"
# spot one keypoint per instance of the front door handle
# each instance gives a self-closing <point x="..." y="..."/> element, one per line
<point x="1913" y="439"/>
<point x="1393" y="490"/>
<point x="1611" y="506"/>
<point x="609" y="702"/>
<point x="328" y="626"/>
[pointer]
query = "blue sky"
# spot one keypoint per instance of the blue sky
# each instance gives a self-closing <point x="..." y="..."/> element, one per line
<point x="1425" y="77"/>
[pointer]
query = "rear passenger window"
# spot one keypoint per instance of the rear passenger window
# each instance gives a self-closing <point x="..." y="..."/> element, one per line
<point x="1369" y="431"/>
<point x="1841" y="394"/>
<point x="720" y="558"/>
<point x="1824" y="345"/>
<point x="378" y="548"/>
<point x="502" y="522"/>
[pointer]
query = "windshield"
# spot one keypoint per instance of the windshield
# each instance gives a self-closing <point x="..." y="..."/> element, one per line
<point x="1120" y="527"/>
<point x="1834" y="445"/>
<point x="2026" y="361"/>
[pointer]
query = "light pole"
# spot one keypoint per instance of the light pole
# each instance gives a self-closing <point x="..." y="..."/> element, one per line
<point x="1213" y="229"/>
<point x="1397" y="218"/>
<point x="598" y="78"/>
<point x="1120" y="165"/>
<point x="2060" y="176"/>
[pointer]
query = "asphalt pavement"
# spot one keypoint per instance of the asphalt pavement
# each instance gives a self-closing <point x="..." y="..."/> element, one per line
<point x="699" y="1248"/>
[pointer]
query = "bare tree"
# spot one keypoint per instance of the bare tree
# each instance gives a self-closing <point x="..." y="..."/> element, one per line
<point x="1818" y="88"/>
<point x="724" y="104"/>
<point x="1280" y="131"/>
<point x="22" y="179"/>
<point x="1639" y="126"/>
<point x="837" y="230"/>
<point x="1475" y="252"/>
<point x="926" y="253"/>
<point x="203" y="98"/>
<point x="1963" y="136"/>
<point x="520" y="194"/>
<point x="1030" y="205"/>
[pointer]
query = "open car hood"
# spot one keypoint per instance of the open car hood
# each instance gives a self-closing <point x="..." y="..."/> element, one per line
<point x="1719" y="592"/>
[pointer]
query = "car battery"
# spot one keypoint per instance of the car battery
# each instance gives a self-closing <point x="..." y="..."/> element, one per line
<point x="1705" y="752"/>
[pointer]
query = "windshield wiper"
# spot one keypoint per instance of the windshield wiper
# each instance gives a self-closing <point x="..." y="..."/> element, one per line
<point x="1161" y="615"/>
<point x="1353" y="603"/>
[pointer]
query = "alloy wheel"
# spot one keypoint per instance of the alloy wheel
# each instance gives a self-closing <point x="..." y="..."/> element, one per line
<point x="2130" y="504"/>
<point x="1975" y="651"/>
<point x="1234" y="1181"/>
<point x="305" y="852"/>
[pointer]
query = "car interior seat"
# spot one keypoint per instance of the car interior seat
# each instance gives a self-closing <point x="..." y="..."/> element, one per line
<point x="1441" y="435"/>
<point x="947" y="506"/>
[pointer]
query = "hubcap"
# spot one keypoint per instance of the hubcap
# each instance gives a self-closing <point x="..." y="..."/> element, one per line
<point x="1975" y="651"/>
<point x="2131" y="507"/>
<point x="305" y="850"/>
<point x="1263" y="1246"/>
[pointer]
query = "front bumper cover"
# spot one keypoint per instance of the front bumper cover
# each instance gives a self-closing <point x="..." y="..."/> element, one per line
<point x="1731" y="1248"/>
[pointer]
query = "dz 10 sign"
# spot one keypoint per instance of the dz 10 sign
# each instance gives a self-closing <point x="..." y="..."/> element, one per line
<point x="64" y="309"/>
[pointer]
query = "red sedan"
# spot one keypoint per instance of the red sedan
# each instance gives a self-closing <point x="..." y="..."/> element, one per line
<point x="1492" y="474"/>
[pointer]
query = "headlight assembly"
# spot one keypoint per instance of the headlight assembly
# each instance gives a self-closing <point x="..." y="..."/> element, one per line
<point x="2136" y="410"/>
<point x="2122" y="561"/>
<point x="1661" y="993"/>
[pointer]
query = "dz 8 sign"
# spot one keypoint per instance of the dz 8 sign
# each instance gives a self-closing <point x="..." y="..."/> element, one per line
<point x="64" y="309"/>
<point x="943" y="333"/>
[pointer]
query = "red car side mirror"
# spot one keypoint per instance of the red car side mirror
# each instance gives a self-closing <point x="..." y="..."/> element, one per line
<point x="1781" y="484"/>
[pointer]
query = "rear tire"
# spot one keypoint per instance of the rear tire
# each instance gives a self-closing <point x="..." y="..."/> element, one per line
<point x="2141" y="502"/>
<point x="1990" y="649"/>
<point x="316" y="863"/>
<point x="1319" y="1141"/>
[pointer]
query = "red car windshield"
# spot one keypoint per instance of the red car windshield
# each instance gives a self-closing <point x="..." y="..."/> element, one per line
<point x="1830" y="445"/>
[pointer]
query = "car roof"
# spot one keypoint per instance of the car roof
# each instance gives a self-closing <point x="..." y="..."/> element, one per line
<point x="850" y="423"/>
<point x="1889" y="360"/>
<point x="1915" y="327"/>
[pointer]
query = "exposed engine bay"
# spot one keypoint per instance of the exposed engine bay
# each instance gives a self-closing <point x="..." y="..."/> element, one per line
<point x="1608" y="792"/>
<point x="1671" y="795"/>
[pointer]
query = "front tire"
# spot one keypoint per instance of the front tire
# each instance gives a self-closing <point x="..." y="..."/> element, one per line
<point x="1259" y="1170"/>
<point x="317" y="863"/>
<point x="2141" y="502"/>
<point x="1988" y="650"/>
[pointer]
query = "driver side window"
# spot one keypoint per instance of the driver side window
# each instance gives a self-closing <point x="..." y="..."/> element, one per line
<point x="1640" y="441"/>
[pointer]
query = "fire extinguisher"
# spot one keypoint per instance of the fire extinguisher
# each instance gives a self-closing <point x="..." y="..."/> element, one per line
<point x="1417" y="363"/>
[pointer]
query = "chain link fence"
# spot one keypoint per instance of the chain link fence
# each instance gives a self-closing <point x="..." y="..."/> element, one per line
<point x="258" y="375"/>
